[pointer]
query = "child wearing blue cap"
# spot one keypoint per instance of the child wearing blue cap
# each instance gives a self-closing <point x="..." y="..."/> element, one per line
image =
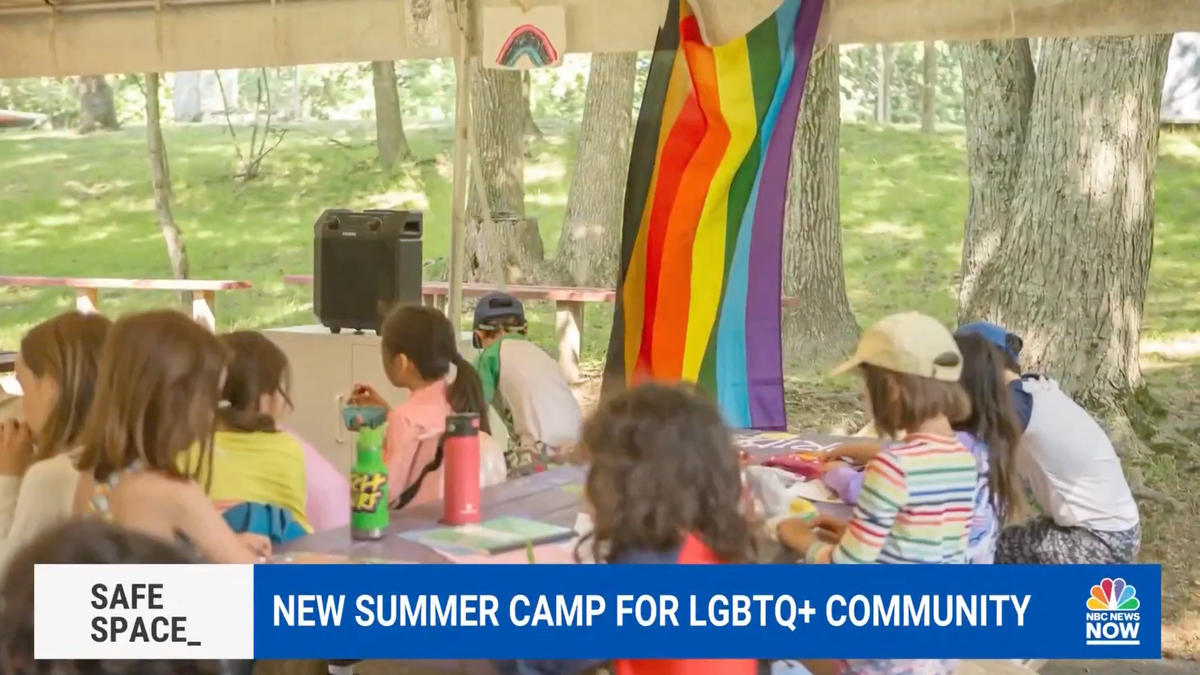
<point x="1089" y="515"/>
<point x="525" y="383"/>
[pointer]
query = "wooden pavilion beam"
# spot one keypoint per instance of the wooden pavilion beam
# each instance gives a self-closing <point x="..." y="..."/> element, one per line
<point x="123" y="36"/>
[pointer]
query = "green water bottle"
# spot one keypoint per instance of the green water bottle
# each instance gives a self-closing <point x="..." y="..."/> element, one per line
<point x="368" y="487"/>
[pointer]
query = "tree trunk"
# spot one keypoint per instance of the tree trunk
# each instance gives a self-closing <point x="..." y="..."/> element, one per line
<point x="1070" y="274"/>
<point x="591" y="231"/>
<point x="998" y="83"/>
<point x="390" y="142"/>
<point x="883" y="92"/>
<point x="821" y="328"/>
<point x="531" y="127"/>
<point x="498" y="113"/>
<point x="160" y="181"/>
<point x="929" y="77"/>
<point x="96" y="107"/>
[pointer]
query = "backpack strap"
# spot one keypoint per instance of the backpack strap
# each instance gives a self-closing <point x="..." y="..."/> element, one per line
<point x="410" y="492"/>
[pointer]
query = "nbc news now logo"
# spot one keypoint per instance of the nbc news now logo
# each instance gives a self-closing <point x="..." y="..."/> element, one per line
<point x="1112" y="617"/>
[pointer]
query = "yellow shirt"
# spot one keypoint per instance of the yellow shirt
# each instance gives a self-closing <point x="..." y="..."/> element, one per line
<point x="259" y="466"/>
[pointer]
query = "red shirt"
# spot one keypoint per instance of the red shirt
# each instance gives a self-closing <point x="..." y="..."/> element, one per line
<point x="693" y="552"/>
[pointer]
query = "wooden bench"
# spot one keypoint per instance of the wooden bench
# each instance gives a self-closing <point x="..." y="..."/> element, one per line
<point x="8" y="361"/>
<point x="569" y="303"/>
<point x="87" y="291"/>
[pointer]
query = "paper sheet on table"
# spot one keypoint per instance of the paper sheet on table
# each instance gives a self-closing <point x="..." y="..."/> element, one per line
<point x="561" y="553"/>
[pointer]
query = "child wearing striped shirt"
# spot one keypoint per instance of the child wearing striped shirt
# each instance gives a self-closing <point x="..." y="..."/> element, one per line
<point x="918" y="494"/>
<point x="992" y="435"/>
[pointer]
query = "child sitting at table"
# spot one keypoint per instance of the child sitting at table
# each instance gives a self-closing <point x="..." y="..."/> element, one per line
<point x="990" y="433"/>
<point x="651" y="503"/>
<point x="1075" y="477"/>
<point x="157" y="394"/>
<point x="525" y="384"/>
<point x="918" y="494"/>
<point x="56" y="369"/>
<point x="255" y="465"/>
<point x="420" y="354"/>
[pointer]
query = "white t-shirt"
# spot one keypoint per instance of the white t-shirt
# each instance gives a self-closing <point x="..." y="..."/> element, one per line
<point x="542" y="405"/>
<point x="1071" y="464"/>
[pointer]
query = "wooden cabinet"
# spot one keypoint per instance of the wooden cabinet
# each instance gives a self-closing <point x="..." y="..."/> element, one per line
<point x="324" y="368"/>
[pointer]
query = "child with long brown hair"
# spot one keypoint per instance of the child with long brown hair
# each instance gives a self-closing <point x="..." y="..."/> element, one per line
<point x="56" y="368"/>
<point x="664" y="486"/>
<point x="420" y="354"/>
<point x="157" y="394"/>
<point x="254" y="460"/>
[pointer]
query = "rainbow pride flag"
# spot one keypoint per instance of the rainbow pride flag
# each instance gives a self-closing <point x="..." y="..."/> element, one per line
<point x="700" y="283"/>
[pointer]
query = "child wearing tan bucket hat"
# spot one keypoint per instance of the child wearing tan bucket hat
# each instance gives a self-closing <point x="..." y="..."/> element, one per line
<point x="918" y="494"/>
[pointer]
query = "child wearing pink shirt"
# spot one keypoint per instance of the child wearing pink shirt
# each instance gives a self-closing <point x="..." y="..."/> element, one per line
<point x="421" y="354"/>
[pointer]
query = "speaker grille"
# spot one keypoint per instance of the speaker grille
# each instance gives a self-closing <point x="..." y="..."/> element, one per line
<point x="364" y="263"/>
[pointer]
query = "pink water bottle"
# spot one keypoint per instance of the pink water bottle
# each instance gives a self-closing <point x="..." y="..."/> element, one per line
<point x="460" y="469"/>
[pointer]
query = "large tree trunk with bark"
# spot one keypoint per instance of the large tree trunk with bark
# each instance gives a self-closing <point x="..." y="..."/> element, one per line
<point x="998" y="84"/>
<point x="821" y="328"/>
<point x="96" y="107"/>
<point x="929" y="76"/>
<point x="1070" y="273"/>
<point x="390" y="142"/>
<point x="160" y="177"/>
<point x="590" y="243"/>
<point x="498" y="113"/>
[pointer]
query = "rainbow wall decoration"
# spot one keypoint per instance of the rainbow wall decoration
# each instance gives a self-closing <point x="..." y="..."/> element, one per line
<point x="527" y="42"/>
<point x="518" y="39"/>
<point x="700" y="286"/>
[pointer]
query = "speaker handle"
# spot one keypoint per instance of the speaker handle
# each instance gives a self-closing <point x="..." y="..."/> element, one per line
<point x="340" y="402"/>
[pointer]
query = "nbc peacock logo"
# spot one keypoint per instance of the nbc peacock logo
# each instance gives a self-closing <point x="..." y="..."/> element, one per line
<point x="1112" y="617"/>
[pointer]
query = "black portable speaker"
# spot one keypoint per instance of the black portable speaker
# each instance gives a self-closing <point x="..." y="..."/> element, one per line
<point x="364" y="262"/>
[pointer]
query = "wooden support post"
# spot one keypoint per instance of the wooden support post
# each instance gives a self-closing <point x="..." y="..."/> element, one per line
<point x="87" y="300"/>
<point x="462" y="118"/>
<point x="204" y="309"/>
<point x="569" y="328"/>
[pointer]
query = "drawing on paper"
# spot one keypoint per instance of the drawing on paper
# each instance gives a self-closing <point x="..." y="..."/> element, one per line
<point x="516" y="39"/>
<point x="422" y="24"/>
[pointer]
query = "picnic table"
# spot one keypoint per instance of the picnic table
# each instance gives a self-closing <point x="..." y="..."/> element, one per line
<point x="87" y="291"/>
<point x="554" y="497"/>
<point x="551" y="496"/>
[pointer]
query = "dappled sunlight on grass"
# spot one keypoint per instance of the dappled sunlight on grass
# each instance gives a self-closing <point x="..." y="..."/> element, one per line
<point x="83" y="208"/>
<point x="552" y="173"/>
<point x="1181" y="146"/>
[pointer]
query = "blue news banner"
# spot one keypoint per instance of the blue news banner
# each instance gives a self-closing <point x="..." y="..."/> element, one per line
<point x="706" y="611"/>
